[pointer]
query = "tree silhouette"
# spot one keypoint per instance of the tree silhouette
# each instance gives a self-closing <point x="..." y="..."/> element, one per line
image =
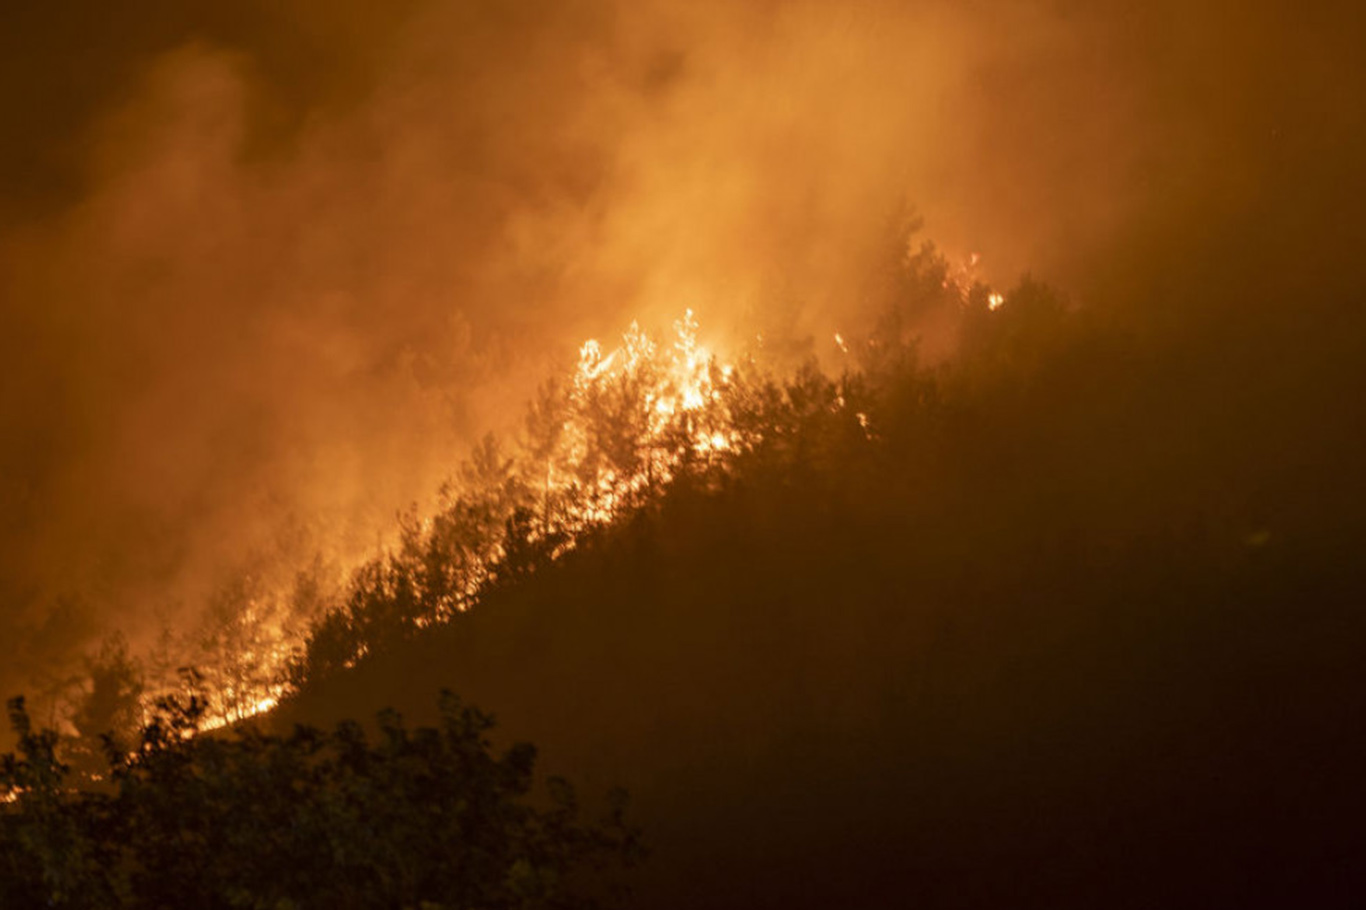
<point x="427" y="817"/>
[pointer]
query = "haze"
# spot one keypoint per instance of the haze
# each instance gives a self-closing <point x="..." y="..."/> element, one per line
<point x="266" y="271"/>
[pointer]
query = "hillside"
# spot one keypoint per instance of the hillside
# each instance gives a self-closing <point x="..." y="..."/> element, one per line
<point x="1073" y="620"/>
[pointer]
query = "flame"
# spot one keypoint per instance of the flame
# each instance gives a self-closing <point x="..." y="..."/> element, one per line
<point x="622" y="427"/>
<point x="964" y="277"/>
<point x="219" y="721"/>
<point x="666" y="399"/>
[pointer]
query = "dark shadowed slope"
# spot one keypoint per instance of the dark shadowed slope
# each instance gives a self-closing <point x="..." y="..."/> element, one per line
<point x="1080" y="626"/>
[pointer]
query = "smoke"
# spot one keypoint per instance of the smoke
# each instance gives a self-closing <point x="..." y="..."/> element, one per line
<point x="304" y="256"/>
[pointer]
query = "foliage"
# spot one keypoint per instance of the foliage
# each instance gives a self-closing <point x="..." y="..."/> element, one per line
<point x="428" y="817"/>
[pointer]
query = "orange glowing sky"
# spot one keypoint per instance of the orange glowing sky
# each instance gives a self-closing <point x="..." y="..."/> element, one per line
<point x="267" y="269"/>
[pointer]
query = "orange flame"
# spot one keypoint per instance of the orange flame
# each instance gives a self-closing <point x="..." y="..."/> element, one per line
<point x="625" y="424"/>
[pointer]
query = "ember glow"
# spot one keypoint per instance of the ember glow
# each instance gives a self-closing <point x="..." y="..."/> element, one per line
<point x="219" y="721"/>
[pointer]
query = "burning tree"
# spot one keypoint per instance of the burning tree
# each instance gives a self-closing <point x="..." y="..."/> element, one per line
<point x="628" y="423"/>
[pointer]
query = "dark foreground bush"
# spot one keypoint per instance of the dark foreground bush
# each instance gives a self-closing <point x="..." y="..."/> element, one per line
<point x="426" y="818"/>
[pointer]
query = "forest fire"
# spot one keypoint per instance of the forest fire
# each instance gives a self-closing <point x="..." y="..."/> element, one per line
<point x="596" y="446"/>
<point x="626" y="422"/>
<point x="995" y="541"/>
<point x="603" y="441"/>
